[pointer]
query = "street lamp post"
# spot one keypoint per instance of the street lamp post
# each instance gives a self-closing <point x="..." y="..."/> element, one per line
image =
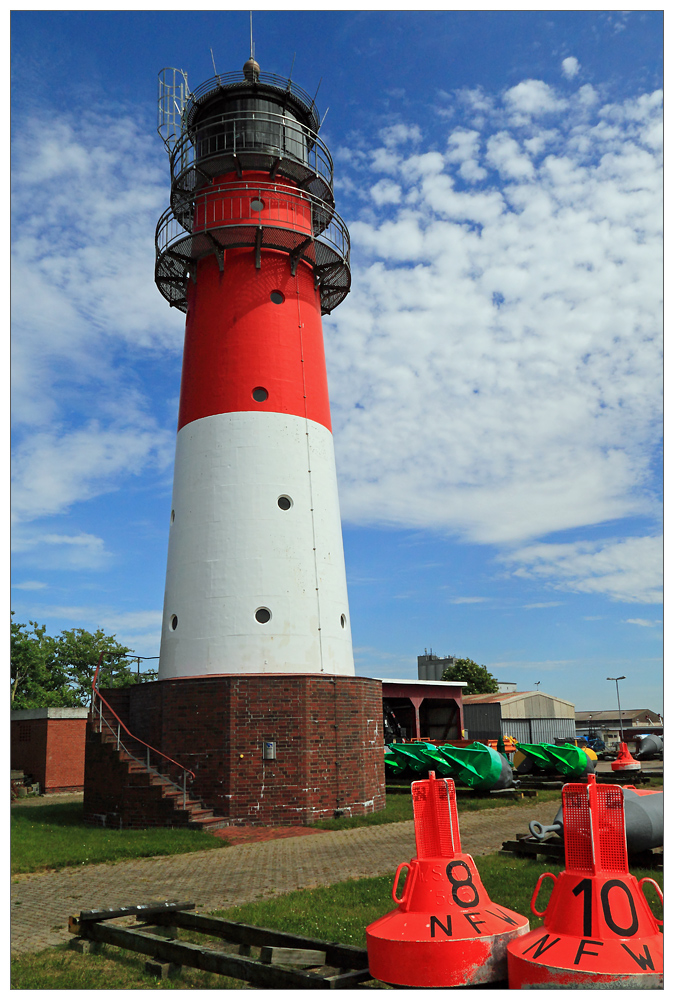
<point x="617" y="691"/>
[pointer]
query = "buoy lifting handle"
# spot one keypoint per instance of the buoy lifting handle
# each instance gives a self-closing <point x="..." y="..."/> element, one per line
<point x="535" y="895"/>
<point x="408" y="881"/>
<point x="659" y="892"/>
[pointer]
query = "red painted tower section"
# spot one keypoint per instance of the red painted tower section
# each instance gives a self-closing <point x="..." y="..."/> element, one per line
<point x="256" y="696"/>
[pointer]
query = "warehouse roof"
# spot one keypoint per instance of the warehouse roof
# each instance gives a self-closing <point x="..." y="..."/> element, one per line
<point x="627" y="713"/>
<point x="510" y="697"/>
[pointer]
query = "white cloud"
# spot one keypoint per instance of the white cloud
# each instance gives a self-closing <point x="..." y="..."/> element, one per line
<point x="628" y="569"/>
<point x="139" y="630"/>
<point x="385" y="161"/>
<point x="543" y="604"/>
<point x="56" y="551"/>
<point x="400" y="134"/>
<point x="29" y="585"/>
<point x="644" y="622"/>
<point x="84" y="306"/>
<point x="105" y="617"/>
<point x="495" y="370"/>
<point x="386" y="192"/>
<point x="570" y="67"/>
<point x="537" y="665"/>
<point x="533" y="97"/>
<point x="463" y="147"/>
<point x="505" y="155"/>
<point x="51" y="471"/>
<point x="467" y="600"/>
<point x="587" y="95"/>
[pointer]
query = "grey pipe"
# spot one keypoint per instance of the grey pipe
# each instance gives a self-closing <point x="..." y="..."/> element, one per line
<point x="644" y="821"/>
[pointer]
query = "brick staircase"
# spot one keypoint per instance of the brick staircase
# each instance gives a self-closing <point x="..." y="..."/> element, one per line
<point x="139" y="796"/>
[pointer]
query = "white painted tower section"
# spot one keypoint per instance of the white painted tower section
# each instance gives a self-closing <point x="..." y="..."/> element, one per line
<point x="233" y="550"/>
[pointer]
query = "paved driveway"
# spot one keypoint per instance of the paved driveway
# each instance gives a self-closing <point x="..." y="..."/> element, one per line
<point x="42" y="903"/>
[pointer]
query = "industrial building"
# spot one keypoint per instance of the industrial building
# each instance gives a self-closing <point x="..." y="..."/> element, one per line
<point x="526" y="716"/>
<point x="431" y="667"/>
<point x="606" y="724"/>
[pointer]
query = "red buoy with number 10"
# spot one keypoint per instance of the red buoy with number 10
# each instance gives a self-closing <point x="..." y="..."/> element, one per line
<point x="598" y="926"/>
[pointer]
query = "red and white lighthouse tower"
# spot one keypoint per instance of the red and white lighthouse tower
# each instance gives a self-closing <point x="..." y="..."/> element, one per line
<point x="257" y="706"/>
<point x="254" y="253"/>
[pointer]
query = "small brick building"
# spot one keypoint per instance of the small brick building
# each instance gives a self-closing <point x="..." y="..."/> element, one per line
<point x="327" y="732"/>
<point x="47" y="744"/>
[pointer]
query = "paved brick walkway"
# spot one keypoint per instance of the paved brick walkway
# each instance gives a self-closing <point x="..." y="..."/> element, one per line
<point x="42" y="903"/>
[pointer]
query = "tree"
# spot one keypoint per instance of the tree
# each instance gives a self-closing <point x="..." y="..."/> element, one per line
<point x="77" y="653"/>
<point x="480" y="681"/>
<point x="37" y="679"/>
<point x="57" y="672"/>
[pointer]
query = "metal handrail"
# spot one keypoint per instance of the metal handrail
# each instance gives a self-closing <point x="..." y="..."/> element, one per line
<point x="95" y="693"/>
<point x="238" y="132"/>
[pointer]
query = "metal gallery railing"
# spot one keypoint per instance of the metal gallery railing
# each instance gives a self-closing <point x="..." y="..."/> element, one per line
<point x="257" y="205"/>
<point x="279" y="142"/>
<point x="223" y="82"/>
<point x="223" y="218"/>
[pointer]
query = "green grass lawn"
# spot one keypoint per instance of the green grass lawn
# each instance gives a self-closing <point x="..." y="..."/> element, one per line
<point x="339" y="912"/>
<point x="55" y="836"/>
<point x="399" y="808"/>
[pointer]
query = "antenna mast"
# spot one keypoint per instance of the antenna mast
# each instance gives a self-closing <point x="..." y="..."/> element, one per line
<point x="252" y="44"/>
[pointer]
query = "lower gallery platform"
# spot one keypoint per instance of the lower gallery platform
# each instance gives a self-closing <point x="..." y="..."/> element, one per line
<point x="327" y="731"/>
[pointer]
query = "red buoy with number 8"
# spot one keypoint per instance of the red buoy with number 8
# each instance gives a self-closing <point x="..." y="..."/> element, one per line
<point x="446" y="931"/>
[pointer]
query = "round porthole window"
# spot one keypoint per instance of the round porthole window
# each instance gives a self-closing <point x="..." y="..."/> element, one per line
<point x="257" y="204"/>
<point x="277" y="297"/>
<point x="262" y="615"/>
<point x="342" y="621"/>
<point x="285" y="503"/>
<point x="174" y="622"/>
<point x="260" y="394"/>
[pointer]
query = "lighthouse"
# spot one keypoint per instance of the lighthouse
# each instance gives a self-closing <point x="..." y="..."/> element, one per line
<point x="253" y="251"/>
<point x="257" y="715"/>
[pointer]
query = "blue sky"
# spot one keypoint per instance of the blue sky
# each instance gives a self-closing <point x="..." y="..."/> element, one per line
<point x="494" y="373"/>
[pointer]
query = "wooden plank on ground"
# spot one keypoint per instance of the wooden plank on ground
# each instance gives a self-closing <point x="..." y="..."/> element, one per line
<point x="307" y="958"/>
<point x="341" y="956"/>
<point x="142" y="910"/>
<point x="196" y="957"/>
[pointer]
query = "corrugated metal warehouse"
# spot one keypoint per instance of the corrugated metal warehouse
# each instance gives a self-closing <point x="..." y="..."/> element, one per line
<point x="527" y="716"/>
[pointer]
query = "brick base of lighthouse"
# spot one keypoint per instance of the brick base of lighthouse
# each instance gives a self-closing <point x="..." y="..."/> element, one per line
<point x="327" y="730"/>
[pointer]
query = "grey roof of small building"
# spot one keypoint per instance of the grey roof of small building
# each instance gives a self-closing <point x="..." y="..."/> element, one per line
<point x="27" y="714"/>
